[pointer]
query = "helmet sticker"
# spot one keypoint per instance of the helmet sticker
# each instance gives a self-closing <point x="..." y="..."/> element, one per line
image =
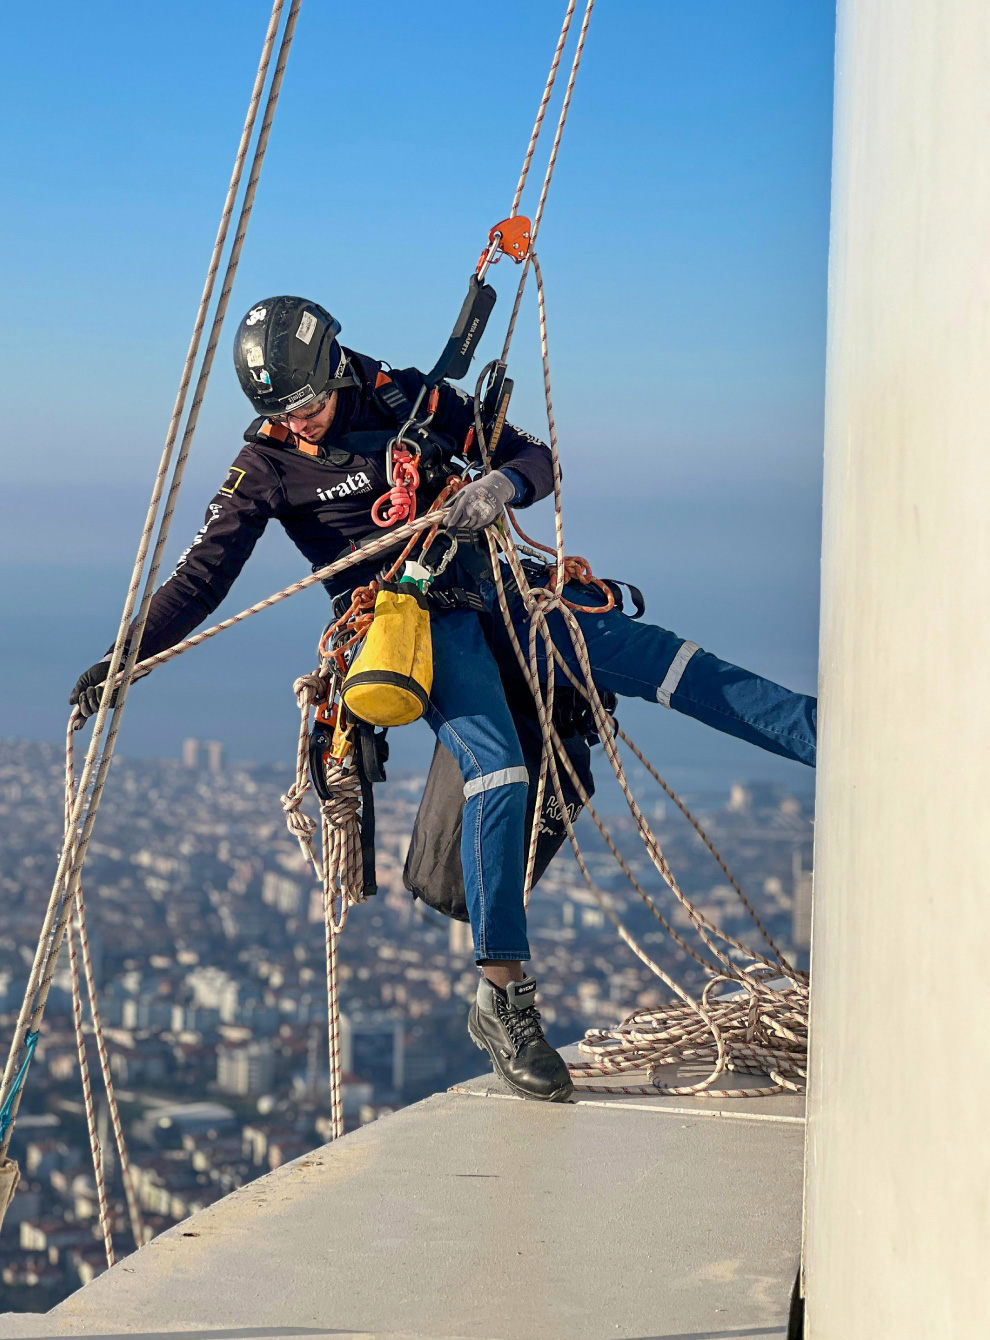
<point x="301" y="397"/>
<point x="256" y="315"/>
<point x="341" y="365"/>
<point x="255" y="356"/>
<point x="307" y="324"/>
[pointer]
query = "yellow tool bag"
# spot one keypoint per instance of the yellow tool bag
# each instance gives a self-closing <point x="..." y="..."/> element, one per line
<point x="389" y="681"/>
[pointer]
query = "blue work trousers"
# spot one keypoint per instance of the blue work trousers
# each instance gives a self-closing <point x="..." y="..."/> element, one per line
<point x="635" y="659"/>
<point x="469" y="714"/>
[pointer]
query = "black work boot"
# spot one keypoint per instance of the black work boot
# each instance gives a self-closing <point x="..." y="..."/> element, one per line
<point x="506" y="1024"/>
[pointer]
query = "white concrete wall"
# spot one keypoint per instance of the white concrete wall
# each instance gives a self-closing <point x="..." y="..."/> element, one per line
<point x="898" y="1171"/>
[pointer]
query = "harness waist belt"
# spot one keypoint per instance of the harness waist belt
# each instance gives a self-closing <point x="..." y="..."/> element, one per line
<point x="456" y="598"/>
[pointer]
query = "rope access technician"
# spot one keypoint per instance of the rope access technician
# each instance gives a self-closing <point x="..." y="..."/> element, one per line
<point x="315" y="460"/>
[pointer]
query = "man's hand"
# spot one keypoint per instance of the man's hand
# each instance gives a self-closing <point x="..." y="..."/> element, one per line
<point x="481" y="502"/>
<point x="89" y="689"/>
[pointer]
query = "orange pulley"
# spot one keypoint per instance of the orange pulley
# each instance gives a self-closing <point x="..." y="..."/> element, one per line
<point x="510" y="238"/>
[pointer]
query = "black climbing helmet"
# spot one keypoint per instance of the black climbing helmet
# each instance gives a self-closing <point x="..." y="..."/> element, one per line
<point x="286" y="355"/>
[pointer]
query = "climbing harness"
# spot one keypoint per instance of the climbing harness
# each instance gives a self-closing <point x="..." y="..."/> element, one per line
<point x="752" y="1014"/>
<point x="509" y="238"/>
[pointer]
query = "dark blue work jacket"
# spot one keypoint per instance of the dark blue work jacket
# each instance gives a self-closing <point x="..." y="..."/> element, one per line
<point x="324" y="501"/>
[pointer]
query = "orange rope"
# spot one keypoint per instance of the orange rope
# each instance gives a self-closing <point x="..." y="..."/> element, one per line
<point x="576" y="569"/>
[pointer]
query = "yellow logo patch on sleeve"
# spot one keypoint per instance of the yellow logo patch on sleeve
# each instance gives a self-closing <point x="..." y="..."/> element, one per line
<point x="232" y="482"/>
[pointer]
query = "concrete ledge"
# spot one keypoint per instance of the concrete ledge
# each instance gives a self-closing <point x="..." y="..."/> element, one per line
<point x="499" y="1219"/>
<point x="787" y="1107"/>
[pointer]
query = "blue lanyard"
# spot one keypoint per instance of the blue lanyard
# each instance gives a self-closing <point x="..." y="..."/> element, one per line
<point x="30" y="1042"/>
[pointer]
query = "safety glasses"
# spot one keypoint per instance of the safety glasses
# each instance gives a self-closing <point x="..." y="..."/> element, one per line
<point x="312" y="408"/>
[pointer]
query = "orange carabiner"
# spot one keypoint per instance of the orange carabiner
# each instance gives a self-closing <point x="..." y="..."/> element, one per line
<point x="326" y="713"/>
<point x="401" y="497"/>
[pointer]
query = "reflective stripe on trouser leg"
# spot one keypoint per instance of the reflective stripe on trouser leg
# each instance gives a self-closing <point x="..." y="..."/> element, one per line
<point x="749" y="707"/>
<point x="503" y="777"/>
<point x="673" y="676"/>
<point x="469" y="715"/>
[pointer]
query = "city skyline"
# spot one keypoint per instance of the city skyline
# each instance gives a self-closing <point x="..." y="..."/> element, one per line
<point x="207" y="935"/>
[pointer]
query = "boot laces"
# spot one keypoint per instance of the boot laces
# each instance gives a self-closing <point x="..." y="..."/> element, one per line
<point x="522" y="1026"/>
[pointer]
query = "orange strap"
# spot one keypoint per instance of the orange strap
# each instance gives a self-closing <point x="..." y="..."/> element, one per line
<point x="279" y="433"/>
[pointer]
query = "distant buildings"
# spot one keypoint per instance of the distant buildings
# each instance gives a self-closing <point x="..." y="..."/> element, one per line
<point x="459" y="940"/>
<point x="206" y="754"/>
<point x="214" y="989"/>
<point x="175" y="1121"/>
<point x="373" y="1046"/>
<point x="284" y="893"/>
<point x="247" y="1069"/>
<point x="801" y="919"/>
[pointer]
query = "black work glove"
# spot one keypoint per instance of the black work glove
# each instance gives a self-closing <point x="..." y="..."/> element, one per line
<point x="481" y="502"/>
<point x="89" y="689"/>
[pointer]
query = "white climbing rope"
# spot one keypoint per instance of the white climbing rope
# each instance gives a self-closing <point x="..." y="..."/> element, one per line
<point x="761" y="1026"/>
<point x="339" y="867"/>
<point x="552" y="161"/>
<point x="542" y="109"/>
<point x="66" y="884"/>
<point x="130" y="1194"/>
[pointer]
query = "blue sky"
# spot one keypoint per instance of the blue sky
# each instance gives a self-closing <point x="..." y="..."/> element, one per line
<point x="684" y="249"/>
